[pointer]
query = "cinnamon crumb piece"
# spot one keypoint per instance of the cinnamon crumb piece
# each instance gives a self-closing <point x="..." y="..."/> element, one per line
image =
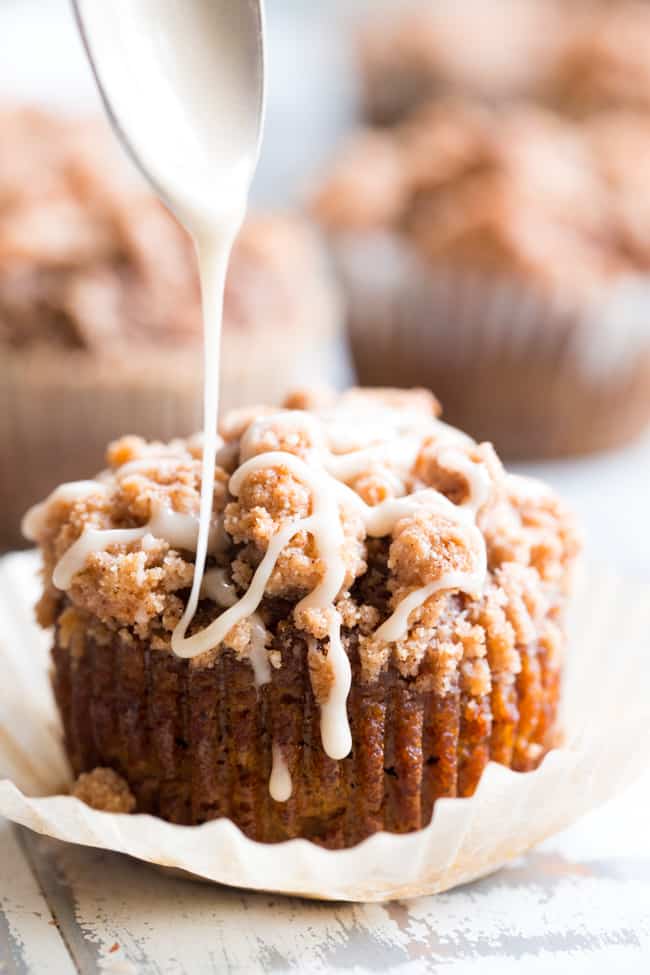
<point x="425" y="546"/>
<point x="105" y="790"/>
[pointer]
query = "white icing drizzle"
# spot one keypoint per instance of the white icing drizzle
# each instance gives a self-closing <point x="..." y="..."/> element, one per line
<point x="223" y="592"/>
<point x="34" y="520"/>
<point x="325" y="473"/>
<point x="217" y="586"/>
<point x="528" y="488"/>
<point x="259" y="657"/>
<point x="280" y="784"/>
<point x="324" y="523"/>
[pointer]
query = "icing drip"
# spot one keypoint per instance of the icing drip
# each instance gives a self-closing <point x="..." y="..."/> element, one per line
<point x="280" y="785"/>
<point x="213" y="250"/>
<point x="259" y="658"/>
<point x="216" y="586"/>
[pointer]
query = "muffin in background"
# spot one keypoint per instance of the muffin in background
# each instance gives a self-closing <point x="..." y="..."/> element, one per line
<point x="495" y="49"/>
<point x="468" y="669"/>
<point x="100" y="312"/>
<point x="500" y="257"/>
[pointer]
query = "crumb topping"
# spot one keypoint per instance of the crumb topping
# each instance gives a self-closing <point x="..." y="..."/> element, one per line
<point x="514" y="190"/>
<point x="453" y="496"/>
<point x="105" y="790"/>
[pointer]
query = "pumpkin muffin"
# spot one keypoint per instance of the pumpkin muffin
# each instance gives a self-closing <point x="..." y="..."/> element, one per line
<point x="100" y="312"/>
<point x="382" y="614"/>
<point x="500" y="257"/>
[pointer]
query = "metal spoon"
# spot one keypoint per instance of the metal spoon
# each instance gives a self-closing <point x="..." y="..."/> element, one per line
<point x="183" y="82"/>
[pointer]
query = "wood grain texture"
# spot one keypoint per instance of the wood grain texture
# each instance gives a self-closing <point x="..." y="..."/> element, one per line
<point x="30" y="941"/>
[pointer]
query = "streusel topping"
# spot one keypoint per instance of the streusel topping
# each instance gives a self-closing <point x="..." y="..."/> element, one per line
<point x="364" y="518"/>
<point x="517" y="191"/>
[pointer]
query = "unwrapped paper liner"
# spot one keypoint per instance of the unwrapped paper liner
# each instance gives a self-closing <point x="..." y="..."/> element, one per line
<point x="606" y="745"/>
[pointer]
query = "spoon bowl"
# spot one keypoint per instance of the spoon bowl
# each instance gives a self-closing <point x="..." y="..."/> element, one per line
<point x="190" y="113"/>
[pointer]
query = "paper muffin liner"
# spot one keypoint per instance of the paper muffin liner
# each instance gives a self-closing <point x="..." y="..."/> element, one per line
<point x="606" y="744"/>
<point x="535" y="371"/>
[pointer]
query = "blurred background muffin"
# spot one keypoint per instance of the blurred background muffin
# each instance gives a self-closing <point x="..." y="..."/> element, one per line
<point x="497" y="256"/>
<point x="493" y="241"/>
<point x="100" y="313"/>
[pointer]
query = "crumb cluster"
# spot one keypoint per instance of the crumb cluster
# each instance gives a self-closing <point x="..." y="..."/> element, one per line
<point x="521" y="192"/>
<point x="139" y="590"/>
<point x="105" y="790"/>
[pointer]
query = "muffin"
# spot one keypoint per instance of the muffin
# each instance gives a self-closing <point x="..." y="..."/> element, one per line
<point x="499" y="256"/>
<point x="496" y="49"/>
<point x="382" y="614"/>
<point x="100" y="313"/>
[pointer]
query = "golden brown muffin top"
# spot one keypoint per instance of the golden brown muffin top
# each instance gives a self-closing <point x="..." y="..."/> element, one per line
<point x="90" y="259"/>
<point x="442" y="554"/>
<point x="516" y="191"/>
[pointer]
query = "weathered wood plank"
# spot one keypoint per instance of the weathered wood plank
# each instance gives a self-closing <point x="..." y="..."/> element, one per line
<point x="30" y="942"/>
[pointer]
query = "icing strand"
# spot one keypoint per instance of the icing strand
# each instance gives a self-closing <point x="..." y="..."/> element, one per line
<point x="280" y="784"/>
<point x="213" y="255"/>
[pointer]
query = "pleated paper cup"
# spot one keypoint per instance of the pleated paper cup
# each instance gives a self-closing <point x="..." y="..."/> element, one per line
<point x="534" y="371"/>
<point x="606" y="744"/>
